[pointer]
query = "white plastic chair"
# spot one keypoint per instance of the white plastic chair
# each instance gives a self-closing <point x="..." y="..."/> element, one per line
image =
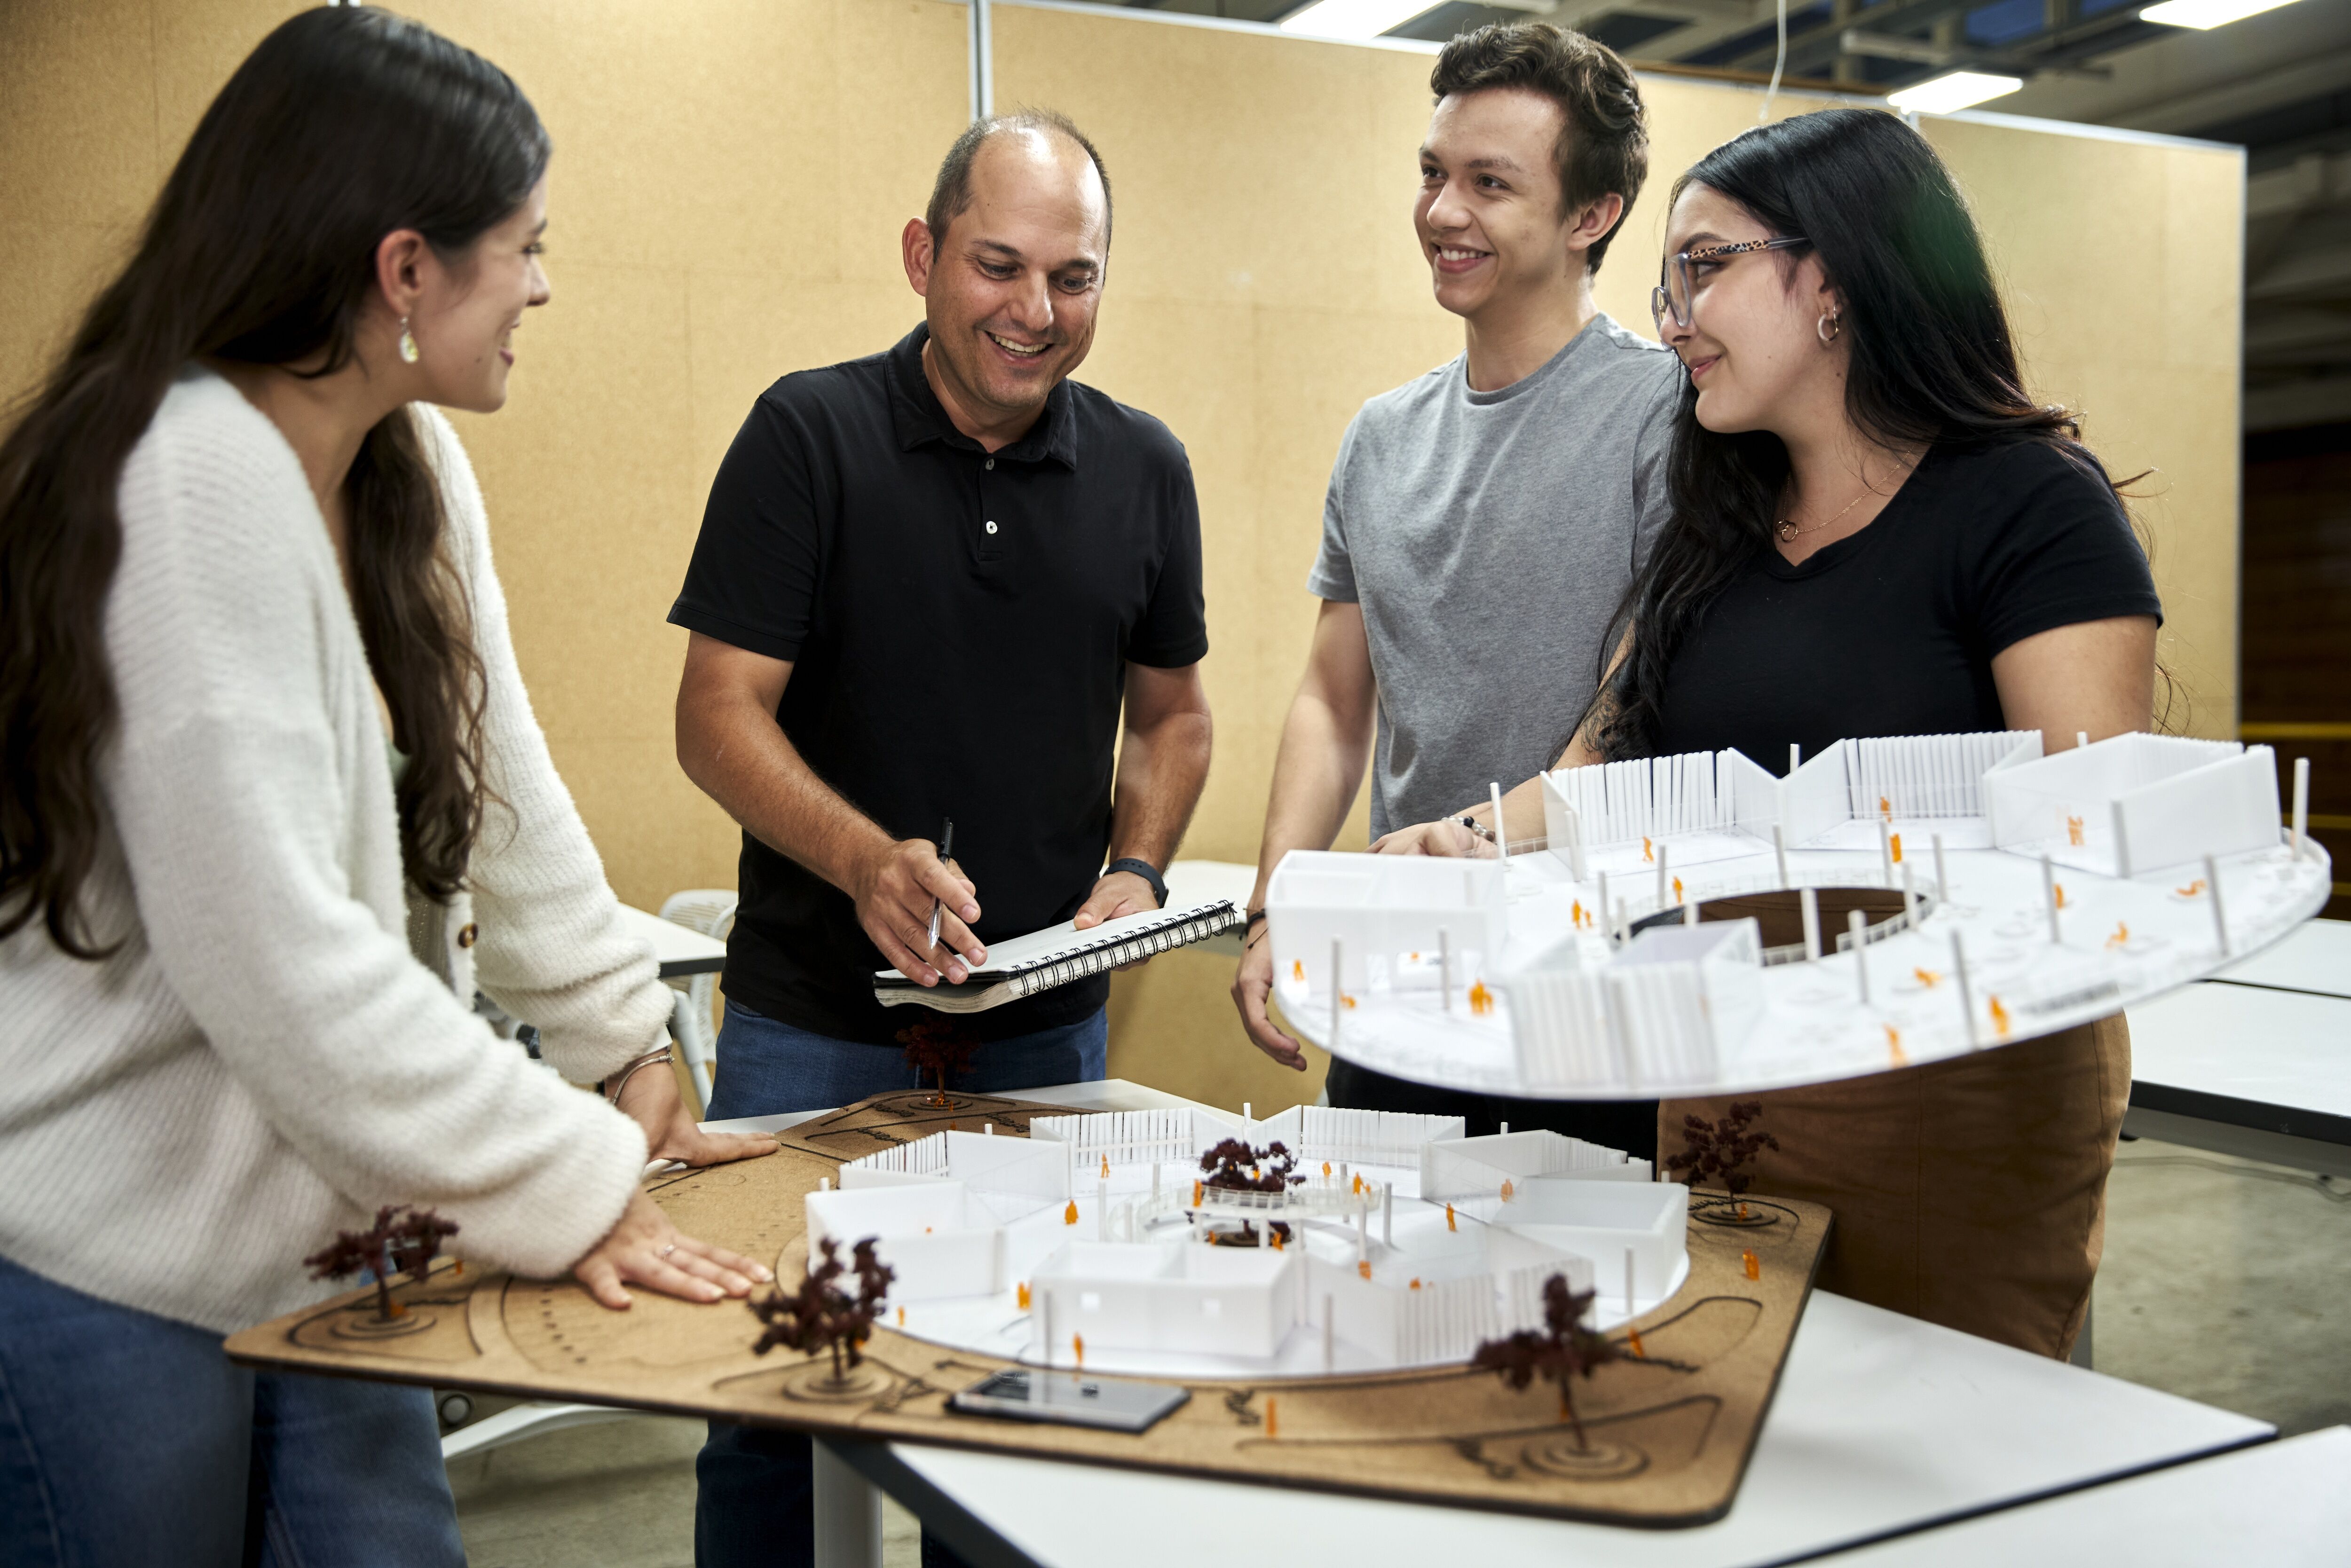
<point x="711" y="911"/>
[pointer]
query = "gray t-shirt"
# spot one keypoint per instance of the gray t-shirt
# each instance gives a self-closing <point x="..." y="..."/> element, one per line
<point x="1488" y="537"/>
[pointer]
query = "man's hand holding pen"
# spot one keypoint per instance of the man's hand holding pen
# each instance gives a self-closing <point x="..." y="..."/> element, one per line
<point x="896" y="889"/>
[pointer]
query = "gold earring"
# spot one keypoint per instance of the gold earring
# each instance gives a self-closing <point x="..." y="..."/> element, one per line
<point x="1828" y="327"/>
<point x="407" y="343"/>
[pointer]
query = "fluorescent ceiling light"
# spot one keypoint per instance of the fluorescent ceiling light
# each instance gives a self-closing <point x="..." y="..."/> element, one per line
<point x="2203" y="14"/>
<point x="1353" y="18"/>
<point x="1955" y="91"/>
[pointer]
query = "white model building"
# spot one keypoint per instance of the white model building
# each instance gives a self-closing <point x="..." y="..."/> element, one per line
<point x="1097" y="1241"/>
<point x="2004" y="895"/>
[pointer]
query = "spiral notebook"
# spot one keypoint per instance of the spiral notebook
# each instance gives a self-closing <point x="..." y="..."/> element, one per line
<point x="1058" y="954"/>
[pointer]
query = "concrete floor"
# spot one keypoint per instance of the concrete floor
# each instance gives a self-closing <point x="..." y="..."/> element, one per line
<point x="2217" y="1282"/>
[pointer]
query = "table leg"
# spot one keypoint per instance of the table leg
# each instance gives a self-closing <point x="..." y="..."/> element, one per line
<point x="848" y="1514"/>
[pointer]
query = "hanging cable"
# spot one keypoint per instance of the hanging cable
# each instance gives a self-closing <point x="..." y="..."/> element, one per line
<point x="1779" y="64"/>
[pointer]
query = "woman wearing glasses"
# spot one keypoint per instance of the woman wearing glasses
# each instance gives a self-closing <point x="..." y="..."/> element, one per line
<point x="1876" y="532"/>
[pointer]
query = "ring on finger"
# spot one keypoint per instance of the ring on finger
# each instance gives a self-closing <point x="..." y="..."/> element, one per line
<point x="667" y="1250"/>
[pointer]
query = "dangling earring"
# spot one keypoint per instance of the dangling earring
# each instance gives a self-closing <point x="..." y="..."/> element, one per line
<point x="407" y="343"/>
<point x="1828" y="326"/>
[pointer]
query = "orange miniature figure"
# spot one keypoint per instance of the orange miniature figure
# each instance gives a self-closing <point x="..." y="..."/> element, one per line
<point x="2191" y="890"/>
<point x="2073" y="832"/>
<point x="1894" y="843"/>
<point x="2061" y="894"/>
<point x="1078" y="1344"/>
<point x="1416" y="1281"/>
<point x="1481" y="1000"/>
<point x="1754" y="1264"/>
<point x="1885" y="808"/>
<point x="1298" y="970"/>
<point x="1326" y="1170"/>
<point x="1346" y="999"/>
<point x="2121" y="936"/>
<point x="1277" y="1241"/>
<point x="1024" y="1296"/>
<point x="1998" y="1015"/>
<point x="1106" y="1168"/>
<point x="1636" y="1337"/>
<point x="1070" y="1215"/>
<point x="1508" y="1191"/>
<point x="1928" y="978"/>
<point x="1448" y="1218"/>
<point x="902" y="1317"/>
<point x="1677" y="890"/>
<point x="1649" y="852"/>
<point x="1359" y="1184"/>
<point x="1196" y="1194"/>
<point x="1364" y="1268"/>
<point x="1894" y="1047"/>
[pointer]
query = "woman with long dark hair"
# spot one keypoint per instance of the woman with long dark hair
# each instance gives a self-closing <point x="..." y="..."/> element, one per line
<point x="1876" y="532"/>
<point x="272" y="803"/>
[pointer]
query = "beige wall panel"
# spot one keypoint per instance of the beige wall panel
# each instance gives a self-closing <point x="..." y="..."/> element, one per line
<point x="77" y="111"/>
<point x="198" y="45"/>
<point x="593" y="499"/>
<point x="1247" y="167"/>
<point x="749" y="329"/>
<point x="48" y="273"/>
<point x="1172" y="1026"/>
<point x="2140" y="337"/>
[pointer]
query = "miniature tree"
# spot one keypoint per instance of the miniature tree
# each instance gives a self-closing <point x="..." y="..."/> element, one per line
<point x="938" y="1047"/>
<point x="1233" y="1167"/>
<point x="402" y="1240"/>
<point x="1720" y="1149"/>
<point x="1565" y="1350"/>
<point x="823" y="1315"/>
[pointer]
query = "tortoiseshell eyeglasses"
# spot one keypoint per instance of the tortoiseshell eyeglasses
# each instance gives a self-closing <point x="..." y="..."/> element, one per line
<point x="1673" y="295"/>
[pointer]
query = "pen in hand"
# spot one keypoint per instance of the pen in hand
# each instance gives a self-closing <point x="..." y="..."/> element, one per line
<point x="947" y="852"/>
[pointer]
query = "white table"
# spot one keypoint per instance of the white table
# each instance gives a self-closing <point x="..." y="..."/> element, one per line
<point x="1882" y="1424"/>
<point x="2316" y="957"/>
<point x="2282" y="1505"/>
<point x="2248" y="1071"/>
<point x="681" y="950"/>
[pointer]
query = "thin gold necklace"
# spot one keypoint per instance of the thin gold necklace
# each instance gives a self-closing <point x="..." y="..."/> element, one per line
<point x="1789" y="532"/>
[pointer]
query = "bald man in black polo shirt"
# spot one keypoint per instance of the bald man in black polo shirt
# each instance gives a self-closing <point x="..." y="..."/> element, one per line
<point x="928" y="583"/>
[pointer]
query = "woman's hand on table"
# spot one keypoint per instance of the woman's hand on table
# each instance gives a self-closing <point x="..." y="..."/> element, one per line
<point x="646" y="1250"/>
<point x="1447" y="837"/>
<point x="651" y="1100"/>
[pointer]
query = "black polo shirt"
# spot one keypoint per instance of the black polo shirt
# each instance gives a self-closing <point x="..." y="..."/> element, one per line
<point x="959" y="626"/>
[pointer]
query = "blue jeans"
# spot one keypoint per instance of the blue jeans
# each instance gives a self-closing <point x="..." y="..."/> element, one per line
<point x="128" y="1439"/>
<point x="765" y="1067"/>
<point x="756" y="1498"/>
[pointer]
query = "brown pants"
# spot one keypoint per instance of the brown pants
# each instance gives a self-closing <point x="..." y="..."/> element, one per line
<point x="1970" y="1192"/>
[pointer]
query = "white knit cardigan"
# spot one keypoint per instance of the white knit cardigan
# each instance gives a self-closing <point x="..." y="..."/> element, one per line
<point x="264" y="1061"/>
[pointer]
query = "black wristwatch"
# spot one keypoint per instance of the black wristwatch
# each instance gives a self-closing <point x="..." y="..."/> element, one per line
<point x="1144" y="870"/>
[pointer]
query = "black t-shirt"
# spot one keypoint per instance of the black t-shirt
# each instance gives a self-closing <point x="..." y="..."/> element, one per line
<point x="1891" y="631"/>
<point x="959" y="625"/>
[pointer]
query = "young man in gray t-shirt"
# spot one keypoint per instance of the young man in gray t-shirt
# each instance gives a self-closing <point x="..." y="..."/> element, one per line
<point x="1483" y="520"/>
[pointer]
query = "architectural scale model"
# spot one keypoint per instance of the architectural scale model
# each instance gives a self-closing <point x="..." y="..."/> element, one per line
<point x="1698" y="925"/>
<point x="1382" y="1241"/>
<point x="1659" y="1432"/>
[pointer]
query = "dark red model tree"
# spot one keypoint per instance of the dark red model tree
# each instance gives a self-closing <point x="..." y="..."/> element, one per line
<point x="402" y="1240"/>
<point x="1719" y="1149"/>
<point x="937" y="1047"/>
<point x="1567" y="1349"/>
<point x="823" y="1314"/>
<point x="1234" y="1166"/>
